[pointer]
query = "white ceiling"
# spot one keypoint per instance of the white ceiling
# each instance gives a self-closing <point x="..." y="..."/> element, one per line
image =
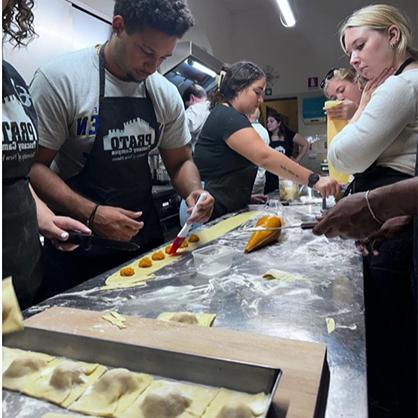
<point x="240" y="5"/>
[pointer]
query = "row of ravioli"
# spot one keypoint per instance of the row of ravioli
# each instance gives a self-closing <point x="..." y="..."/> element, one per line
<point x="93" y="389"/>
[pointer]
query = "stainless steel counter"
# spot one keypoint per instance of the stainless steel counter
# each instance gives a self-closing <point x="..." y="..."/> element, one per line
<point x="331" y="287"/>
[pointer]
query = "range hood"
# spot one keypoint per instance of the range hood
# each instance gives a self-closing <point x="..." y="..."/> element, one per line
<point x="190" y="64"/>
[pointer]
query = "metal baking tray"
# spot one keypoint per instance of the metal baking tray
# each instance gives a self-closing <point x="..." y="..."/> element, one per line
<point x="218" y="372"/>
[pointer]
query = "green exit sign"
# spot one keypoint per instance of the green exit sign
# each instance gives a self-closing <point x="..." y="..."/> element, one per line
<point x="268" y="91"/>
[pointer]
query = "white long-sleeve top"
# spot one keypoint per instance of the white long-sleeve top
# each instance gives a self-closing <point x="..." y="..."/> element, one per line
<point x="385" y="133"/>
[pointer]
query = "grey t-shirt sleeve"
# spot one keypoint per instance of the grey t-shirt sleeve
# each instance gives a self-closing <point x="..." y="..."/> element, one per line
<point x="170" y="111"/>
<point x="52" y="112"/>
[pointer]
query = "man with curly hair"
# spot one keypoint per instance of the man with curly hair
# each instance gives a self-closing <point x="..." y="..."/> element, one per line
<point x="101" y="111"/>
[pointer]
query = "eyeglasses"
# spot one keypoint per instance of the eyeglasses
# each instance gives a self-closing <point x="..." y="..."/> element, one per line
<point x="328" y="76"/>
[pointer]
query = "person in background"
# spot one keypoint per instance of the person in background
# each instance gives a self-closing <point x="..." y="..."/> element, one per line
<point x="344" y="85"/>
<point x="260" y="178"/>
<point x="283" y="140"/>
<point x="25" y="216"/>
<point x="102" y="110"/>
<point x="379" y="147"/>
<point x="229" y="149"/>
<point x="197" y="109"/>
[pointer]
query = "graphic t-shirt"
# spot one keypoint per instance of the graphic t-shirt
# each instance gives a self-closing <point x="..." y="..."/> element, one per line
<point x="19" y="134"/>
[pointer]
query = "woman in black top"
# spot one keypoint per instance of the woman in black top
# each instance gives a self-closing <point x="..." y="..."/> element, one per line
<point x="229" y="149"/>
<point x="24" y="214"/>
<point x="283" y="139"/>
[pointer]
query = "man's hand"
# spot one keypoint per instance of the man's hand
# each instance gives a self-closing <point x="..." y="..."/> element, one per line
<point x="345" y="110"/>
<point x="55" y="228"/>
<point x="349" y="218"/>
<point x="116" y="223"/>
<point x="204" y="210"/>
<point x="390" y="229"/>
<point x="327" y="186"/>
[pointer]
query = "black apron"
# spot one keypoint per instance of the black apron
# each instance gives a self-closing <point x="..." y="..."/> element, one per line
<point x="21" y="244"/>
<point x="232" y="191"/>
<point x="117" y="174"/>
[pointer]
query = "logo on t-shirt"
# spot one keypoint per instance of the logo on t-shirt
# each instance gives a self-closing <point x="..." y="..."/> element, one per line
<point x="23" y="94"/>
<point x="135" y="140"/>
<point x="19" y="134"/>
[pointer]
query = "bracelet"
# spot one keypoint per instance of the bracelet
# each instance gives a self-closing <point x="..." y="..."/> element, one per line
<point x="92" y="215"/>
<point x="371" y="210"/>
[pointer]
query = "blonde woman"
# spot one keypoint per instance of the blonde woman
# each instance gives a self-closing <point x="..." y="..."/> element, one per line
<point x="379" y="147"/>
<point x="342" y="84"/>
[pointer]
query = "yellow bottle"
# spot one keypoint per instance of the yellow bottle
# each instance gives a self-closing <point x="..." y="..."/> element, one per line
<point x="333" y="127"/>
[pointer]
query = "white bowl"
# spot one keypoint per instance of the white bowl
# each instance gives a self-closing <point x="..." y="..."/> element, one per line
<point x="213" y="259"/>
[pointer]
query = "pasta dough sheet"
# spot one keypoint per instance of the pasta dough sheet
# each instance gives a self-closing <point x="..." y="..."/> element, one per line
<point x="116" y="281"/>
<point x="12" y="316"/>
<point x="112" y="393"/>
<point x="64" y="381"/>
<point x="22" y="368"/>
<point x="164" y="399"/>
<point x="203" y="319"/>
<point x="228" y="403"/>
<point x="115" y="319"/>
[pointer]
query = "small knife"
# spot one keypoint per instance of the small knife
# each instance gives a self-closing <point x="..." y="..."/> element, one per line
<point x="88" y="241"/>
<point x="186" y="228"/>
<point x="303" y="225"/>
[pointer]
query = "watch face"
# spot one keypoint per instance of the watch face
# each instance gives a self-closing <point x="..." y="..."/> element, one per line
<point x="313" y="179"/>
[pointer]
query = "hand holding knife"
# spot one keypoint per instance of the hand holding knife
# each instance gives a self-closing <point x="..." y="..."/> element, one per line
<point x="88" y="241"/>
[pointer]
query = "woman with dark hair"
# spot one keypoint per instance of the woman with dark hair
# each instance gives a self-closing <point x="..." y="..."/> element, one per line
<point x="229" y="149"/>
<point x="283" y="139"/>
<point x="24" y="214"/>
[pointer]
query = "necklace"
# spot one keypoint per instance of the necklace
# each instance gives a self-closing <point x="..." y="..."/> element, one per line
<point x="403" y="65"/>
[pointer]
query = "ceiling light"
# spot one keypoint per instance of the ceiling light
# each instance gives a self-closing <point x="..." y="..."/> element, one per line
<point x="286" y="14"/>
<point x="202" y="68"/>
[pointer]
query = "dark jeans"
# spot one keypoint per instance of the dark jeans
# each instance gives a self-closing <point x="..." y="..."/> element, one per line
<point x="391" y="329"/>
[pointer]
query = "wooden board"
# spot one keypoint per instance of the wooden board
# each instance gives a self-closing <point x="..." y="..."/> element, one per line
<point x="304" y="384"/>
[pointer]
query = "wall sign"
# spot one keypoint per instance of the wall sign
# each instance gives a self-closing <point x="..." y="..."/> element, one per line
<point x="313" y="82"/>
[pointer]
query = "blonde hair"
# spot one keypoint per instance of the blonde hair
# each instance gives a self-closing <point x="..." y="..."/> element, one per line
<point x="380" y="17"/>
<point x="343" y="73"/>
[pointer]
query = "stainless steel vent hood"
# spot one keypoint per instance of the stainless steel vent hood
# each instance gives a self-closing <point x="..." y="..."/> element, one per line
<point x="190" y="64"/>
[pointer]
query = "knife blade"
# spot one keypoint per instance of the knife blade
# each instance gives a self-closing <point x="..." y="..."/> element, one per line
<point x="186" y="228"/>
<point x="303" y="225"/>
<point x="88" y="241"/>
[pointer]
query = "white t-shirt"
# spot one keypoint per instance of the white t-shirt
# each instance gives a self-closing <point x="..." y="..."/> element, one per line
<point x="260" y="179"/>
<point x="196" y="116"/>
<point x="386" y="132"/>
<point x="66" y="97"/>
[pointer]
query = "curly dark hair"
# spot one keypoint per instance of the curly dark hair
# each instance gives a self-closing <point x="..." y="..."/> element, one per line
<point x="18" y="22"/>
<point x="172" y="17"/>
<point x="234" y="79"/>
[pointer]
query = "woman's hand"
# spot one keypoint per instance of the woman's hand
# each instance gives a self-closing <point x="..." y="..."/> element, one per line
<point x="369" y="89"/>
<point x="327" y="186"/>
<point x="345" y="110"/>
<point x="55" y="228"/>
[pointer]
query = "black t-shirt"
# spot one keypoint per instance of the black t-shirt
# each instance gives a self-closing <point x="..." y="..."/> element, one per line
<point x="286" y="146"/>
<point x="213" y="157"/>
<point x="20" y="137"/>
